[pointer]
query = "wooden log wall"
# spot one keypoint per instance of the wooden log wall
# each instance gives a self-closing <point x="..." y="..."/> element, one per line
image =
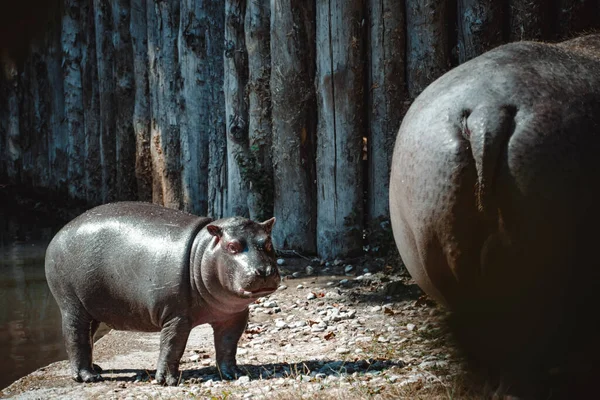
<point x="246" y="107"/>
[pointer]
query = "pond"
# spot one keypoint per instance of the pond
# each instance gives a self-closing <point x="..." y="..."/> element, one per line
<point x="30" y="325"/>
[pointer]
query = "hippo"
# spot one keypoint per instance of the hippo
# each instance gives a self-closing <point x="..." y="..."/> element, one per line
<point x="141" y="267"/>
<point x="494" y="194"/>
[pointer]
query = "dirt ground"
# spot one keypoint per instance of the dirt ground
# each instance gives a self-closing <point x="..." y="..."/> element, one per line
<point x="360" y="329"/>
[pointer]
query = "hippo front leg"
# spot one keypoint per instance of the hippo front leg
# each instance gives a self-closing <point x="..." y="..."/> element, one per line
<point x="173" y="338"/>
<point x="227" y="334"/>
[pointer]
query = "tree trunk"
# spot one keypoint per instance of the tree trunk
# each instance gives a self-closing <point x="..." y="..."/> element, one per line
<point x="141" y="108"/>
<point x="91" y="106"/>
<point x="106" y="88"/>
<point x="57" y="141"/>
<point x="340" y="94"/>
<point x="163" y="29"/>
<point x="124" y="101"/>
<point x="428" y="50"/>
<point x="576" y="17"/>
<point x="529" y="20"/>
<point x="194" y="139"/>
<point x="236" y="105"/>
<point x="214" y="102"/>
<point x="34" y="123"/>
<point x="73" y="95"/>
<point x="386" y="100"/>
<point x="13" y="131"/>
<point x="259" y="168"/>
<point x="294" y="124"/>
<point x="480" y="27"/>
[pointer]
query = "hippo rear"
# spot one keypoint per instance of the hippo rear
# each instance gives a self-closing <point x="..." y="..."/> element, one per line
<point x="139" y="266"/>
<point x="494" y="199"/>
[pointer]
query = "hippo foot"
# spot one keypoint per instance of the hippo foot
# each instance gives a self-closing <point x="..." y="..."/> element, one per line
<point x="229" y="372"/>
<point x="166" y="379"/>
<point x="87" y="376"/>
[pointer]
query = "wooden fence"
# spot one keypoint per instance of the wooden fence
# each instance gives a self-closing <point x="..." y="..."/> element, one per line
<point x="258" y="108"/>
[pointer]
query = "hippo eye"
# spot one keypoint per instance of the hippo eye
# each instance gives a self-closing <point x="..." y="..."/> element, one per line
<point x="234" y="247"/>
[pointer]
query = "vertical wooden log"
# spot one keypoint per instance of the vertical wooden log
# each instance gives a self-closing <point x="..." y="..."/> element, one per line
<point x="27" y="135"/>
<point x="258" y="161"/>
<point x="91" y="107"/>
<point x="13" y="131"/>
<point x="294" y="123"/>
<point x="386" y="100"/>
<point x="141" y="108"/>
<point x="154" y="60"/>
<point x="3" y="120"/>
<point x="106" y="88"/>
<point x="124" y="101"/>
<point x="215" y="102"/>
<point x="480" y="27"/>
<point x="428" y="49"/>
<point x="194" y="39"/>
<point x="575" y="17"/>
<point x="529" y="20"/>
<point x="340" y="94"/>
<point x="71" y="39"/>
<point x="37" y="99"/>
<point x="57" y="141"/>
<point x="163" y="29"/>
<point x="236" y="105"/>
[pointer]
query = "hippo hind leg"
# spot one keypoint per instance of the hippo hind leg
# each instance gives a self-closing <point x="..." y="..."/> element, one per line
<point x="78" y="331"/>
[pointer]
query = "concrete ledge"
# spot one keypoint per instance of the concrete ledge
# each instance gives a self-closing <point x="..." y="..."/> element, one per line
<point x="122" y="355"/>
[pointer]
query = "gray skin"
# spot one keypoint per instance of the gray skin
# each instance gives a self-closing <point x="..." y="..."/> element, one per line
<point x="494" y="186"/>
<point x="141" y="267"/>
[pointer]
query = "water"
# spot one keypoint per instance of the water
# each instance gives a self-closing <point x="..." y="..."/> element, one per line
<point x="30" y="325"/>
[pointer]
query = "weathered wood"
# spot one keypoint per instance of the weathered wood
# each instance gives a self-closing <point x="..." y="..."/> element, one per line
<point x="57" y="140"/>
<point x="386" y="99"/>
<point x="194" y="139"/>
<point x="215" y="103"/>
<point x="480" y="27"/>
<point x="141" y="109"/>
<point x="340" y="30"/>
<point x="529" y="20"/>
<point x="13" y="131"/>
<point x="236" y="105"/>
<point x="124" y="101"/>
<point x="576" y="17"/>
<point x="258" y="171"/>
<point x="71" y="39"/>
<point x="294" y="124"/>
<point x="105" y="55"/>
<point x="91" y="106"/>
<point x="428" y="49"/>
<point x="163" y="30"/>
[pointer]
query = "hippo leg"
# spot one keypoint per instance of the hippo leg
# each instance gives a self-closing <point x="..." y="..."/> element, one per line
<point x="226" y="335"/>
<point x="173" y="338"/>
<point x="94" y="328"/>
<point x="77" y="327"/>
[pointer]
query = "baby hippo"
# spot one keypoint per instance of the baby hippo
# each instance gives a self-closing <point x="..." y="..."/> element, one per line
<point x="141" y="267"/>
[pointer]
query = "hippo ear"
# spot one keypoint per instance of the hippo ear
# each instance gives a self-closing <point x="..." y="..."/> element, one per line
<point x="268" y="225"/>
<point x="215" y="230"/>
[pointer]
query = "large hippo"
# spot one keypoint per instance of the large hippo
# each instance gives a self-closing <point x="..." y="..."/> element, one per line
<point x="142" y="267"/>
<point x="495" y="196"/>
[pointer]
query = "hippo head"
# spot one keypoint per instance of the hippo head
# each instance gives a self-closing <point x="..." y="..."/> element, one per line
<point x="245" y="257"/>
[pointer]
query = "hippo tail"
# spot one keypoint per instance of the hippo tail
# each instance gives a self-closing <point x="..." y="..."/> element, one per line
<point x="488" y="129"/>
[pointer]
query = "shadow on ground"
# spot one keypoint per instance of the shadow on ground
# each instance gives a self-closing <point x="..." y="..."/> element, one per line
<point x="322" y="368"/>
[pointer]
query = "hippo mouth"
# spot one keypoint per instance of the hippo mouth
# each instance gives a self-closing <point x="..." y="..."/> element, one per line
<point x="257" y="292"/>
